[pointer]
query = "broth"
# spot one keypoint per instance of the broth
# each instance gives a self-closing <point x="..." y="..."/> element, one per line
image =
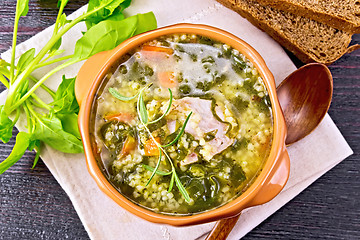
<point x="225" y="141"/>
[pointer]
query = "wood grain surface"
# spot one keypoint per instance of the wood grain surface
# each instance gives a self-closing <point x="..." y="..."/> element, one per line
<point x="34" y="206"/>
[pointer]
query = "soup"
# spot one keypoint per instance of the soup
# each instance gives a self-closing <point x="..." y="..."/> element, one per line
<point x="183" y="124"/>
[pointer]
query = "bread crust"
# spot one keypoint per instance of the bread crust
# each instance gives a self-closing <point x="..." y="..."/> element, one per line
<point x="321" y="43"/>
<point x="346" y="20"/>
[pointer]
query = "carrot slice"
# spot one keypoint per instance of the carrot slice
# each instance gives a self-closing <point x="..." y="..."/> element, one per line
<point x="128" y="146"/>
<point x="150" y="147"/>
<point x="157" y="49"/>
<point x="167" y="79"/>
<point x="121" y="117"/>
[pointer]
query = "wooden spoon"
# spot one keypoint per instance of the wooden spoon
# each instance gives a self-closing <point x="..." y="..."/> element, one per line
<point x="305" y="97"/>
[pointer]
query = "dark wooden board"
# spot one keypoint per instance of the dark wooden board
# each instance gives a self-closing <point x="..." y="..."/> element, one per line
<point x="34" y="206"/>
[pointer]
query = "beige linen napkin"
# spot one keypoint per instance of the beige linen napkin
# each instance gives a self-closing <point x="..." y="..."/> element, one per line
<point x="102" y="218"/>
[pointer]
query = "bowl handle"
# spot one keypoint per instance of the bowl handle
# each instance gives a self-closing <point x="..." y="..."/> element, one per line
<point x="275" y="182"/>
<point x="87" y="74"/>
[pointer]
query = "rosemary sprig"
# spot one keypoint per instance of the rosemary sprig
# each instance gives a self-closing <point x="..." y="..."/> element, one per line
<point x="159" y="172"/>
<point x="180" y="133"/>
<point x="144" y="119"/>
<point x="156" y="168"/>
<point x="121" y="97"/>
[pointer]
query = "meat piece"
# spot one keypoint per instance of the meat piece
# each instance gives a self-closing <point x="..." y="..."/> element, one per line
<point x="189" y="159"/>
<point x="201" y="122"/>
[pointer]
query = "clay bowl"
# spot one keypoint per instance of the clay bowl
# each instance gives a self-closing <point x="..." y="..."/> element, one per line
<point x="265" y="187"/>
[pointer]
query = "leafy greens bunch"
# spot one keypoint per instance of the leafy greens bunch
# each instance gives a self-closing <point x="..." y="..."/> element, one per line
<point x="144" y="119"/>
<point x="55" y="123"/>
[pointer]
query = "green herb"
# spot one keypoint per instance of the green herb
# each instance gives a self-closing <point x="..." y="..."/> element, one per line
<point x="143" y="117"/>
<point x="171" y="182"/>
<point x="162" y="173"/>
<point x="56" y="123"/>
<point x="156" y="168"/>
<point x="180" y="133"/>
<point x="142" y="109"/>
<point x="119" y="96"/>
<point x="181" y="187"/>
<point x="167" y="110"/>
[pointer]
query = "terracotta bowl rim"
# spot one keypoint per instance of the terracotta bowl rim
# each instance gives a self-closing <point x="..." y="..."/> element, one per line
<point x="233" y="207"/>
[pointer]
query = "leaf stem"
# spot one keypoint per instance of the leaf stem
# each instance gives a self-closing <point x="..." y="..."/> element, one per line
<point x="42" y="64"/>
<point x="41" y="102"/>
<point x="61" y="9"/>
<point x="28" y="118"/>
<point x="13" y="48"/>
<point x="31" y="67"/>
<point x="16" y="116"/>
<point x="47" y="89"/>
<point x="39" y="83"/>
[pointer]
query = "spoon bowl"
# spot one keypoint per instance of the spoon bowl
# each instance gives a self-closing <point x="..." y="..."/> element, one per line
<point x="305" y="97"/>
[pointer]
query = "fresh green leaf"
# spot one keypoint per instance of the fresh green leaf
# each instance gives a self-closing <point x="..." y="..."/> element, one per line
<point x="113" y="11"/>
<point x="181" y="187"/>
<point x="156" y="168"/>
<point x="108" y="34"/>
<point x="158" y="172"/>
<point x="50" y="130"/>
<point x="70" y="123"/>
<point x="125" y="4"/>
<point x="63" y="21"/>
<point x="65" y="100"/>
<point x="36" y="159"/>
<point x="167" y="110"/>
<point x="104" y="36"/>
<point x="55" y="47"/>
<point x="56" y="52"/>
<point x="21" y="144"/>
<point x="180" y="133"/>
<point x="33" y="144"/>
<point x="116" y="16"/>
<point x="145" y="23"/>
<point x="22" y="8"/>
<point x="25" y="59"/>
<point x="117" y="95"/>
<point x="142" y="109"/>
<point x="6" y="126"/>
<point x="114" y="4"/>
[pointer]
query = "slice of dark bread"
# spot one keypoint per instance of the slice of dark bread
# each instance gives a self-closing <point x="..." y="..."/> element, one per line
<point x="340" y="14"/>
<point x="309" y="40"/>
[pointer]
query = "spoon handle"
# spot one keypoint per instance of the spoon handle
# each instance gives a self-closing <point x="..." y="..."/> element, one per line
<point x="222" y="228"/>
